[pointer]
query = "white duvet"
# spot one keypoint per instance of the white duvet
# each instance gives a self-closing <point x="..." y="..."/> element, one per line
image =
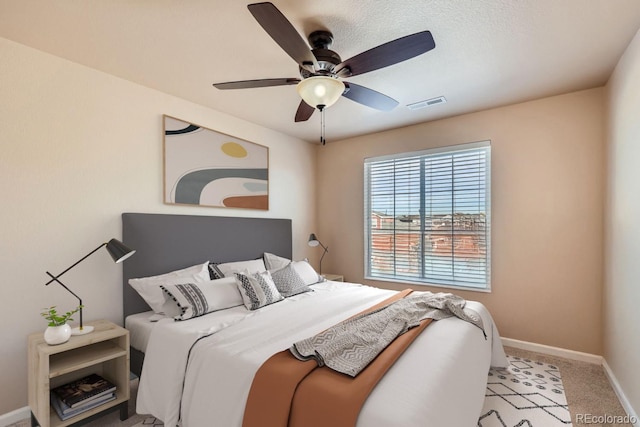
<point x="439" y="381"/>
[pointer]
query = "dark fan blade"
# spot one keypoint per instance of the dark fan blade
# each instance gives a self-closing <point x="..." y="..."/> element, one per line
<point x="387" y="54"/>
<point x="304" y="112"/>
<point x="369" y="97"/>
<point x="281" y="30"/>
<point x="248" y="84"/>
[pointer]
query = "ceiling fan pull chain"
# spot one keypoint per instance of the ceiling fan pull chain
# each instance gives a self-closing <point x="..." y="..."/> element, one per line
<point x="323" y="140"/>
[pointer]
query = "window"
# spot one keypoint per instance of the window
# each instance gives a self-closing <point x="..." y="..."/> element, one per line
<point x="427" y="217"/>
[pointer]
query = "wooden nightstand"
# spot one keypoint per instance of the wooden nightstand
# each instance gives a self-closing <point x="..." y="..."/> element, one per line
<point x="104" y="351"/>
<point x="334" y="277"/>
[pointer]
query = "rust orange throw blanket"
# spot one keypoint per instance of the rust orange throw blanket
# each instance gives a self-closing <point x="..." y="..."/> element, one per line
<point x="287" y="392"/>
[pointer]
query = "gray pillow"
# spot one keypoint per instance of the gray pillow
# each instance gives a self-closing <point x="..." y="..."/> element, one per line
<point x="289" y="282"/>
<point x="257" y="289"/>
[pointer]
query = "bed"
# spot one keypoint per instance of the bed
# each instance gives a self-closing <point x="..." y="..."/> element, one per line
<point x="198" y="372"/>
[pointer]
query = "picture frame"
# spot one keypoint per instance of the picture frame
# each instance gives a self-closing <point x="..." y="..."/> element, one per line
<point x="203" y="167"/>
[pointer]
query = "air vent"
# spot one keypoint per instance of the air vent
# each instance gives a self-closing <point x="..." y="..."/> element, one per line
<point x="427" y="103"/>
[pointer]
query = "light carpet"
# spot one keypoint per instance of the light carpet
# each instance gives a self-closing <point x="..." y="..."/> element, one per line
<point x="527" y="393"/>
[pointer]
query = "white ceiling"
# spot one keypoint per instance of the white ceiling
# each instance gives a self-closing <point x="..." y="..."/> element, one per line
<point x="488" y="52"/>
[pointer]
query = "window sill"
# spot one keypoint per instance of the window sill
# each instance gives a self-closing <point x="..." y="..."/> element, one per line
<point x="435" y="285"/>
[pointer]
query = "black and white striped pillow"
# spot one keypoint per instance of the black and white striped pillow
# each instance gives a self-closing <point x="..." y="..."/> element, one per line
<point x="188" y="300"/>
<point x="214" y="271"/>
<point x="257" y="289"/>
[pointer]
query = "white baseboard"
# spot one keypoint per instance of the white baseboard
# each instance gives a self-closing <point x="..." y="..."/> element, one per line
<point x="583" y="357"/>
<point x="553" y="351"/>
<point x="621" y="396"/>
<point x="14" y="416"/>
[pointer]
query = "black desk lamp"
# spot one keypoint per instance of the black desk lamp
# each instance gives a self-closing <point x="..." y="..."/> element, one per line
<point x="118" y="251"/>
<point x="313" y="241"/>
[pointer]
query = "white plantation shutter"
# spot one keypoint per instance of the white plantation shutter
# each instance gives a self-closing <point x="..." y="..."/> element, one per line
<point x="427" y="217"/>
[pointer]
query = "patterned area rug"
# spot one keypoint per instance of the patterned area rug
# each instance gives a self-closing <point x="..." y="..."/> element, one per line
<point x="525" y="394"/>
<point x="149" y="422"/>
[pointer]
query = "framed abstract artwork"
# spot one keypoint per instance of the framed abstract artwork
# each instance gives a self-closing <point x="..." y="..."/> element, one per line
<point x="207" y="168"/>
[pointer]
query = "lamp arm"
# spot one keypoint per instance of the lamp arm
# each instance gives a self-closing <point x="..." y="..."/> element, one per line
<point x="326" y="249"/>
<point x="55" y="278"/>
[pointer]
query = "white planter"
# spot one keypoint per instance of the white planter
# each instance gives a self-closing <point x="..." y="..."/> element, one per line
<point x="57" y="334"/>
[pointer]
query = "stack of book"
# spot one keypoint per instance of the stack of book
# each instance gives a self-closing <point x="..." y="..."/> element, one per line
<point x="81" y="395"/>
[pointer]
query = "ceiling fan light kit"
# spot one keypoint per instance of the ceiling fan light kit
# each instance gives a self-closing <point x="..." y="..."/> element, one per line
<point x="321" y="68"/>
<point x="320" y="91"/>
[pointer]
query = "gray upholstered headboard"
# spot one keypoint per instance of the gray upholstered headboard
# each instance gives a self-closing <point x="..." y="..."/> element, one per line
<point x="165" y="243"/>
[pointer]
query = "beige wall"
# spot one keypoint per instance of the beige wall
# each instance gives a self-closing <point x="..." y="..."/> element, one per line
<point x="622" y="226"/>
<point x="547" y="211"/>
<point x="77" y="148"/>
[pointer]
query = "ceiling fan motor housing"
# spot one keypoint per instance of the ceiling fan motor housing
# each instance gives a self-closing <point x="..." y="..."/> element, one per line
<point x="327" y="59"/>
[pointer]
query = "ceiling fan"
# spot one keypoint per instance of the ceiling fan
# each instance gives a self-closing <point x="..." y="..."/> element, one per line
<point x="322" y="69"/>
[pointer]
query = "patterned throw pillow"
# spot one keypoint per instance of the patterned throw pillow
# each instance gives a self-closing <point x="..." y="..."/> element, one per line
<point x="149" y="287"/>
<point x="218" y="270"/>
<point x="214" y="271"/>
<point x="188" y="300"/>
<point x="289" y="282"/>
<point x="257" y="289"/>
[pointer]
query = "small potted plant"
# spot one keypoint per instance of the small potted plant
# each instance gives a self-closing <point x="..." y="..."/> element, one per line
<point x="58" y="331"/>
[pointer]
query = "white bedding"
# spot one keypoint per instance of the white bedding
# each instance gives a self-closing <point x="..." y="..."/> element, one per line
<point x="439" y="381"/>
<point x="139" y="326"/>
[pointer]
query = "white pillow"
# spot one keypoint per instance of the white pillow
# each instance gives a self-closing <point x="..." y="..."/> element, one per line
<point x="185" y="301"/>
<point x="149" y="287"/>
<point x="251" y="266"/>
<point x="306" y="272"/>
<point x="257" y="289"/>
<point x="274" y="262"/>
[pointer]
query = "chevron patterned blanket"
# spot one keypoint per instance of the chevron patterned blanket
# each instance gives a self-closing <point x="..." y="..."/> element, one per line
<point x="350" y="346"/>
